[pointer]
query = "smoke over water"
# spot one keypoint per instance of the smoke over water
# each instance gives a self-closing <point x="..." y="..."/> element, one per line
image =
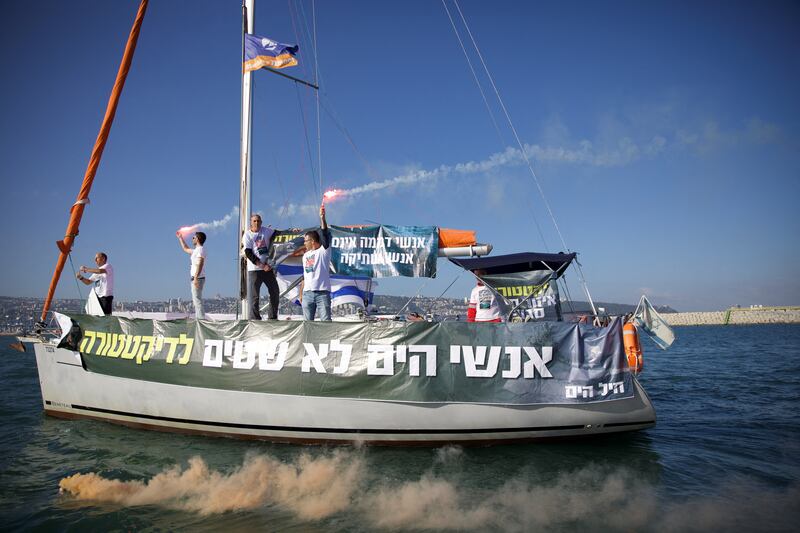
<point x="213" y="225"/>
<point x="315" y="488"/>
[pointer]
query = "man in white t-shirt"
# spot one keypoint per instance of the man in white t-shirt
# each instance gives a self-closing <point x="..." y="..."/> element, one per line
<point x="197" y="270"/>
<point x="103" y="279"/>
<point x="316" y="285"/>
<point x="483" y="304"/>
<point x="255" y="242"/>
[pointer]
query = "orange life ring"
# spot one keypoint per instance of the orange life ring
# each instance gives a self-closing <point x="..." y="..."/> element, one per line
<point x="630" y="339"/>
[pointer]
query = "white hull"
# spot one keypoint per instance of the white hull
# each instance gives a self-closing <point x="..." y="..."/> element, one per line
<point x="69" y="391"/>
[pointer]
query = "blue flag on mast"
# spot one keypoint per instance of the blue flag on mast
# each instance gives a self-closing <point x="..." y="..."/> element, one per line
<point x="260" y="52"/>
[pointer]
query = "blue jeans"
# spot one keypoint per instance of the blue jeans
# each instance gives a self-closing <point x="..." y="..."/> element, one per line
<point x="313" y="300"/>
<point x="197" y="299"/>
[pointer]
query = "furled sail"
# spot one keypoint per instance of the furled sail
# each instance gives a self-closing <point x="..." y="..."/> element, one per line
<point x="76" y="212"/>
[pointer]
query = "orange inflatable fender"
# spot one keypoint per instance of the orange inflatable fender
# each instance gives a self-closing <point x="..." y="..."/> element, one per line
<point x="630" y="339"/>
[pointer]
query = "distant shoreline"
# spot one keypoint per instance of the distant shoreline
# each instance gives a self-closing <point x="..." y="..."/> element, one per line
<point x="736" y="316"/>
<point x="730" y="317"/>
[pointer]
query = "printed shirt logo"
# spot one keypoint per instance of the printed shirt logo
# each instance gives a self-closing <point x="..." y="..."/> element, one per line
<point x="310" y="262"/>
<point x="485" y="299"/>
<point x="262" y="246"/>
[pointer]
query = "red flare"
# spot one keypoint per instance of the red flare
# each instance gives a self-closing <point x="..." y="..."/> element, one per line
<point x="331" y="194"/>
<point x="185" y="230"/>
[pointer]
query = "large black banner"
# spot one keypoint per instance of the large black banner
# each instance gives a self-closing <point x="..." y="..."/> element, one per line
<point x="506" y="363"/>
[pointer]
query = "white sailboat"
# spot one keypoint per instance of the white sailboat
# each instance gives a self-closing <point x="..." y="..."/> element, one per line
<point x="379" y="382"/>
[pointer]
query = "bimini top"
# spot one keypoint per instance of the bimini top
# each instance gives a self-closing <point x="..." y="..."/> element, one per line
<point x="521" y="262"/>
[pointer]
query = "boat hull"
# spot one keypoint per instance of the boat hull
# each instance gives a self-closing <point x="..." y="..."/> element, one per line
<point x="70" y="391"/>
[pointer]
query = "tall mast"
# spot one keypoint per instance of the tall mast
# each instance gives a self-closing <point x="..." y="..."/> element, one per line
<point x="248" y="14"/>
<point x="76" y="212"/>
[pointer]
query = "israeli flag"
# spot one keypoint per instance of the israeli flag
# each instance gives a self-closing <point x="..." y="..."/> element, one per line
<point x="647" y="318"/>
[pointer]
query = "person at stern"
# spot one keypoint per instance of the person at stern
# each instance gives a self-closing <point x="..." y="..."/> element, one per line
<point x="483" y="305"/>
<point x="316" y="284"/>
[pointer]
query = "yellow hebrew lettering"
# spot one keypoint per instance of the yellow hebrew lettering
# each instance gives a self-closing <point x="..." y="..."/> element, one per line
<point x="117" y="344"/>
<point x="104" y="337"/>
<point x="173" y="345"/>
<point x="88" y="341"/>
<point x="131" y="347"/>
<point x="189" y="343"/>
<point x="146" y="347"/>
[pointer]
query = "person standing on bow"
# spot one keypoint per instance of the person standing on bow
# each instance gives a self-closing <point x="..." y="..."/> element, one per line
<point x="256" y="243"/>
<point x="103" y="279"/>
<point x="315" y="288"/>
<point x="197" y="270"/>
<point x="483" y="305"/>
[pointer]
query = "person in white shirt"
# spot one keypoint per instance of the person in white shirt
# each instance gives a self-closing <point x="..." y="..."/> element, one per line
<point x="256" y="243"/>
<point x="316" y="284"/>
<point x="483" y="304"/>
<point x="103" y="279"/>
<point x="197" y="270"/>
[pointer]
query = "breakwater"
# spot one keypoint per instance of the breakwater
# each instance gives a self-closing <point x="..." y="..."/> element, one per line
<point x="736" y="315"/>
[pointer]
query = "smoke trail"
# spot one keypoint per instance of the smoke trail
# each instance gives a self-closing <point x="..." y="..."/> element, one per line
<point x="603" y="497"/>
<point x="213" y="225"/>
<point x="311" y="488"/>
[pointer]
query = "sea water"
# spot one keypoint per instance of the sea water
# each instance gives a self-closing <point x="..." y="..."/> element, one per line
<point x="724" y="455"/>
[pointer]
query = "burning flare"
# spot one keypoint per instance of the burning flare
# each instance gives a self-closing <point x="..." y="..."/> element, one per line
<point x="331" y="194"/>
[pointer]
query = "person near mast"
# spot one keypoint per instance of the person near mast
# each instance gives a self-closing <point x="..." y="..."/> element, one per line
<point x="103" y="279"/>
<point x="483" y="305"/>
<point x="197" y="270"/>
<point x="255" y="242"/>
<point x="316" y="285"/>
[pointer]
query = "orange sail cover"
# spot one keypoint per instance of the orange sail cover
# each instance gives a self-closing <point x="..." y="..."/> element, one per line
<point x="76" y="213"/>
<point x="453" y="238"/>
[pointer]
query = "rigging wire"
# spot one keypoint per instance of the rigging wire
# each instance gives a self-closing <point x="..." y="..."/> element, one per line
<point x="414" y="297"/>
<point x="316" y="82"/>
<point x="474" y="75"/>
<point x="317" y="192"/>
<point x="445" y="290"/>
<point x="533" y="215"/>
<point x="300" y="26"/>
<point x="525" y="156"/>
<point x="75" y="275"/>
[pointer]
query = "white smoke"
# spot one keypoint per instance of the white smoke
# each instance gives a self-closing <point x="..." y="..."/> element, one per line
<point x="214" y="224"/>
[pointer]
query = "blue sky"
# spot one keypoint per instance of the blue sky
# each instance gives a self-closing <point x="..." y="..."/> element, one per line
<point x="666" y="136"/>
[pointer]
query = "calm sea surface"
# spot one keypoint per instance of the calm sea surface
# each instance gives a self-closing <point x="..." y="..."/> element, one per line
<point x="725" y="455"/>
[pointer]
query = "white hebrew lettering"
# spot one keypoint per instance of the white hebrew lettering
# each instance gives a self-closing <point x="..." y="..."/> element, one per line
<point x="212" y="354"/>
<point x="380" y="360"/>
<point x="312" y="357"/>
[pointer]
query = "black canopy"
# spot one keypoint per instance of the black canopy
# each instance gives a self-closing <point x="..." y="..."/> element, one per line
<point x="522" y="262"/>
